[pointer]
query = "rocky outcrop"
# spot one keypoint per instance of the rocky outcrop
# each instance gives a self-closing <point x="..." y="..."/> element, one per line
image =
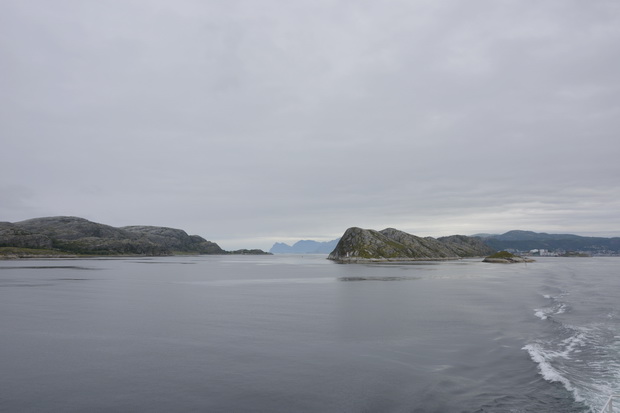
<point x="367" y="245"/>
<point x="76" y="235"/>
<point x="504" y="257"/>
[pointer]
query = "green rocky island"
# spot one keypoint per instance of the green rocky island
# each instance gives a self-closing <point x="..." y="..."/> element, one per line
<point x="368" y="245"/>
<point x="505" y="257"/>
<point x="74" y="236"/>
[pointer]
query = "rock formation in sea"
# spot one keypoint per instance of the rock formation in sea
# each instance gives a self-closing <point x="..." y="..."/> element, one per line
<point x="505" y="257"/>
<point x="367" y="245"/>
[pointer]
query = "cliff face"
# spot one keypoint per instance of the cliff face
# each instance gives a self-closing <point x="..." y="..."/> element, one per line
<point x="81" y="236"/>
<point x="360" y="245"/>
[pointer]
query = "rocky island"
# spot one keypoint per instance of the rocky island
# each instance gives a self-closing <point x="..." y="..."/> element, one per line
<point x="74" y="236"/>
<point x="505" y="257"/>
<point x="368" y="245"/>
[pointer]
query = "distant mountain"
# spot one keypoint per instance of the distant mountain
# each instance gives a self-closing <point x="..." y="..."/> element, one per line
<point x="529" y="240"/>
<point x="484" y="235"/>
<point x="304" y="247"/>
<point x="74" y="235"/>
<point x="363" y="245"/>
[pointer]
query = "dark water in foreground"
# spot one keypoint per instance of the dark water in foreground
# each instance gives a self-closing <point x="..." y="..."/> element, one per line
<point x="302" y="334"/>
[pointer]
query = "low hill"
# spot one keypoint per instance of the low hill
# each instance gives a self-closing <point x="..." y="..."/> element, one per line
<point x="74" y="235"/>
<point x="363" y="245"/>
<point x="77" y="236"/>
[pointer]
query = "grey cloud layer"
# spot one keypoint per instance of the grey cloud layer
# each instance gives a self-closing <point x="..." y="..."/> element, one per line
<point x="248" y="122"/>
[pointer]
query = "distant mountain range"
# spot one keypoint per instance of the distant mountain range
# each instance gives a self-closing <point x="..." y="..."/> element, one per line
<point x="528" y="240"/>
<point x="79" y="236"/>
<point x="305" y="247"/>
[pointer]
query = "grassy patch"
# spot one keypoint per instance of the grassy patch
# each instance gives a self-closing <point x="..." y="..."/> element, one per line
<point x="502" y="254"/>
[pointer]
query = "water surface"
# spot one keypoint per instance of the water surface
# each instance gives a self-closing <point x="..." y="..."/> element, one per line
<point x="303" y="334"/>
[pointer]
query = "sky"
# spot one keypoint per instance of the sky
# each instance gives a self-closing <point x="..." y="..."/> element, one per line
<point x="261" y="121"/>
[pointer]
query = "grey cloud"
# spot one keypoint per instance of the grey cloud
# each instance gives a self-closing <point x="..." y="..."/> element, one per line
<point x="248" y="122"/>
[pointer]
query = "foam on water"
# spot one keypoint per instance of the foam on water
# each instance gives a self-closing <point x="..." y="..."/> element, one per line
<point x="549" y="373"/>
<point x="581" y="364"/>
<point x="540" y="314"/>
<point x="582" y="348"/>
<point x="544" y="313"/>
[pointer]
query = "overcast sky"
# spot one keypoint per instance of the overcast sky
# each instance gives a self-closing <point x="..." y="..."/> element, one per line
<point x="251" y="122"/>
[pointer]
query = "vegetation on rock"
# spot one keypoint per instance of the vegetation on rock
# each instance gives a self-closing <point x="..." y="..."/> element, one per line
<point x="502" y="254"/>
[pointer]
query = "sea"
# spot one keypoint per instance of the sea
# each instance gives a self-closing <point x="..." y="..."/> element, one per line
<point x="292" y="333"/>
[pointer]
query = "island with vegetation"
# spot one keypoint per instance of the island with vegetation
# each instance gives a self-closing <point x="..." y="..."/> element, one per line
<point x="368" y="245"/>
<point x="505" y="257"/>
<point x="73" y="236"/>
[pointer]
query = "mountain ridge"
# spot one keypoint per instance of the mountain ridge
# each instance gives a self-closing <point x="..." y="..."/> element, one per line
<point x="529" y="240"/>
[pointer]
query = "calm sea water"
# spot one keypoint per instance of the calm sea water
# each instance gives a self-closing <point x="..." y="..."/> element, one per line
<point x="303" y="334"/>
